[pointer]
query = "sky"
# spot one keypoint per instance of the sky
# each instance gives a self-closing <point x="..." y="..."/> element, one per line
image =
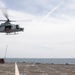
<point x="49" y="29"/>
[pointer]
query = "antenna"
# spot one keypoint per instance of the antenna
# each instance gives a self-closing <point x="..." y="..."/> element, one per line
<point x="5" y="52"/>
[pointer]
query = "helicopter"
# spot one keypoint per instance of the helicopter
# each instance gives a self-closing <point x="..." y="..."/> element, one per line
<point x="7" y="27"/>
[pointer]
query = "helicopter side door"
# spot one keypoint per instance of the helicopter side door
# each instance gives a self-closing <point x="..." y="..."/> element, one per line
<point x="7" y="28"/>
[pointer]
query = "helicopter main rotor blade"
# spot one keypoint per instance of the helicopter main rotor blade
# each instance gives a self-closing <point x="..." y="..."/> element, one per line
<point x="19" y="20"/>
<point x="2" y="20"/>
<point x="4" y="11"/>
<point x="9" y="20"/>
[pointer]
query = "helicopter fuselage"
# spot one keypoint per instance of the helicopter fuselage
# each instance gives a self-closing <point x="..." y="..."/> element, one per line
<point x="10" y="28"/>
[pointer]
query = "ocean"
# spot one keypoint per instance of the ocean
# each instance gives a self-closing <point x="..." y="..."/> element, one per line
<point x="43" y="60"/>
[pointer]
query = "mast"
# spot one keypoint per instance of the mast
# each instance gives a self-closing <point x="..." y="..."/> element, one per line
<point x="5" y="52"/>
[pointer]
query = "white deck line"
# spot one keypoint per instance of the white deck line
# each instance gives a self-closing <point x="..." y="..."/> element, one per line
<point x="16" y="70"/>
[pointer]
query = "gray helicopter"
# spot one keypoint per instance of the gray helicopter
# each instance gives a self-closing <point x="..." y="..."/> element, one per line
<point x="8" y="27"/>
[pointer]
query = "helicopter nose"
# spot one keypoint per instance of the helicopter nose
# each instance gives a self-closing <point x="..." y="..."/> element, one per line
<point x="22" y="29"/>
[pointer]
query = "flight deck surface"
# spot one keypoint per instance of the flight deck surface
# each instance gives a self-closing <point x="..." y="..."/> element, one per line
<point x="37" y="69"/>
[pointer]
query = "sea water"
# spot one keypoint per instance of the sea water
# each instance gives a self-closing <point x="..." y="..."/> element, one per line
<point x="43" y="60"/>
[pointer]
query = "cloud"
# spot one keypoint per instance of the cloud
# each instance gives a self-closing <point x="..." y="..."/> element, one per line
<point x="72" y="5"/>
<point x="52" y="38"/>
<point x="37" y="7"/>
<point x="47" y="37"/>
<point x="2" y="4"/>
<point x="52" y="11"/>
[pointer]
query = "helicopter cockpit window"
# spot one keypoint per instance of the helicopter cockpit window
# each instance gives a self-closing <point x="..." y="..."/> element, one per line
<point x="17" y="26"/>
